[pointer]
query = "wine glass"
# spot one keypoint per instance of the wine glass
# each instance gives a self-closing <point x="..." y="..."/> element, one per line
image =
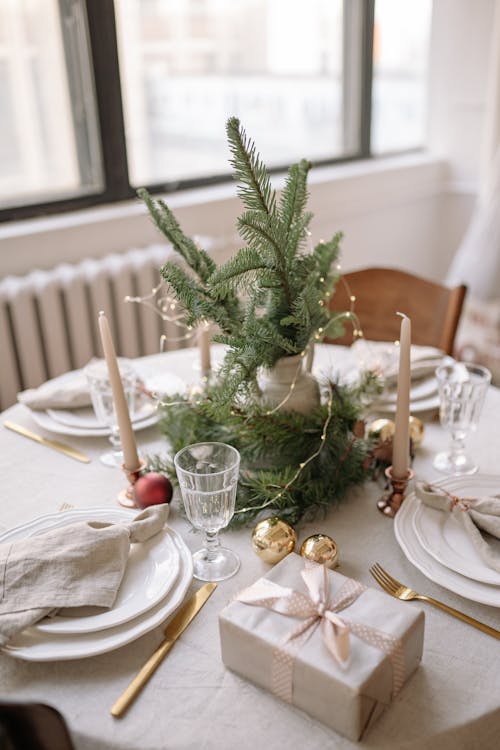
<point x="462" y="388"/>
<point x="101" y="395"/>
<point x="208" y="478"/>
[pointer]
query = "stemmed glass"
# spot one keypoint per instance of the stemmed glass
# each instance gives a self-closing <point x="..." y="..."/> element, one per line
<point x="101" y="395"/>
<point x="208" y="478"/>
<point x="462" y="388"/>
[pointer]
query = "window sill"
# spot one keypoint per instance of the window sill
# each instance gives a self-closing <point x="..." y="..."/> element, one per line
<point x="339" y="191"/>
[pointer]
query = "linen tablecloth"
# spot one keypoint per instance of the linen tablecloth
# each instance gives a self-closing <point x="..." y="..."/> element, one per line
<point x="452" y="702"/>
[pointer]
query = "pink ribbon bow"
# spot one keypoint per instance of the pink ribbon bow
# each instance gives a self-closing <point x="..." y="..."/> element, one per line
<point x="313" y="609"/>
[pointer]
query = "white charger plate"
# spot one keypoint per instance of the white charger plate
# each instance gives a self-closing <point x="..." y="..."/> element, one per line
<point x="444" y="537"/>
<point x="151" y="571"/>
<point x="31" y="645"/>
<point x="407" y="539"/>
<point x="43" y="419"/>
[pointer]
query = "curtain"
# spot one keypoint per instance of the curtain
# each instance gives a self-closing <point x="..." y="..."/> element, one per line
<point x="477" y="261"/>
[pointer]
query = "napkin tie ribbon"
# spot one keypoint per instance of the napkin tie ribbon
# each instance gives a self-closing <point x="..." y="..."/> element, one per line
<point x="318" y="608"/>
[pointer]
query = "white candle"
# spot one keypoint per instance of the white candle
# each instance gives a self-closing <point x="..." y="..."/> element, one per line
<point x="130" y="457"/>
<point x="401" y="442"/>
<point x="309" y="356"/>
<point x="204" y="344"/>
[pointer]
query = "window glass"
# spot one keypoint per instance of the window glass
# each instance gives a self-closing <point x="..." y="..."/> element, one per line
<point x="400" y="63"/>
<point x="186" y="65"/>
<point x="41" y="116"/>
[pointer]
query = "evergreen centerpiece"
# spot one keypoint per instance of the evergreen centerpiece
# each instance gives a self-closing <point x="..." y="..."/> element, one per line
<point x="269" y="302"/>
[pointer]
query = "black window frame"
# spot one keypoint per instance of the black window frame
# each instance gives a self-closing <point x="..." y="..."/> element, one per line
<point x="104" y="58"/>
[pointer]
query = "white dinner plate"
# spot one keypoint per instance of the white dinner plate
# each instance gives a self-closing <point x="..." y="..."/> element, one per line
<point x="444" y="537"/>
<point x="45" y="421"/>
<point x="85" y="418"/>
<point x="404" y="530"/>
<point x="151" y="571"/>
<point x="416" y="407"/>
<point x="32" y="645"/>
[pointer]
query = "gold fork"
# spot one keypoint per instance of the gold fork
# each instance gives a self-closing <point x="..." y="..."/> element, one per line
<point x="400" y="591"/>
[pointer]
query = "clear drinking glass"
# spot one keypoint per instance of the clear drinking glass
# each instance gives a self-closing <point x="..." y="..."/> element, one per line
<point x="462" y="388"/>
<point x="101" y="395"/>
<point x="208" y="478"/>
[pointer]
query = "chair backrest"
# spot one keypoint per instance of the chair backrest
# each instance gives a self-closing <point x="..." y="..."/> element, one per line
<point x="380" y="293"/>
<point x="32" y="725"/>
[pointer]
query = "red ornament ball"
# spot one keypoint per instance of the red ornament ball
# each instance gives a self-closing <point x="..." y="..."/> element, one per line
<point x="152" y="489"/>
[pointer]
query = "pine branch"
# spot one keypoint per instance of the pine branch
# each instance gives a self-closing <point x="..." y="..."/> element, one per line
<point x="293" y="202"/>
<point x="239" y="271"/>
<point x="164" y="219"/>
<point x="264" y="234"/>
<point x="256" y="192"/>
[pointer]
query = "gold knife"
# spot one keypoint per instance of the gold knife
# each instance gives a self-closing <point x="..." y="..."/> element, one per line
<point x="173" y="630"/>
<point x="54" y="444"/>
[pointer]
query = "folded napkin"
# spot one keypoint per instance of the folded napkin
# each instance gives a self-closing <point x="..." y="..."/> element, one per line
<point x="58" y="394"/>
<point x="77" y="565"/>
<point x="475" y="514"/>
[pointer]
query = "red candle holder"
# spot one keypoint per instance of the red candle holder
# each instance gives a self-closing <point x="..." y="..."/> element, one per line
<point x="391" y="500"/>
<point x="126" y="496"/>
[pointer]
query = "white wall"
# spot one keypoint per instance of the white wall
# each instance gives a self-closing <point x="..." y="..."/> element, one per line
<point x="387" y="210"/>
<point x="460" y="55"/>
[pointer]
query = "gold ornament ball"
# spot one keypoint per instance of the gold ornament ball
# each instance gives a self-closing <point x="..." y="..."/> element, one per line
<point x="273" y="539"/>
<point x="381" y="430"/>
<point x="417" y="431"/>
<point x="322" y="549"/>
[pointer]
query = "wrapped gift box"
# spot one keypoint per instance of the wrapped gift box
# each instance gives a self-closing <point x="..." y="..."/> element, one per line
<point x="347" y="697"/>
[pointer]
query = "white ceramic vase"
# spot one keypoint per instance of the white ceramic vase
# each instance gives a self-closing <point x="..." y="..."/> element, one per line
<point x="276" y="386"/>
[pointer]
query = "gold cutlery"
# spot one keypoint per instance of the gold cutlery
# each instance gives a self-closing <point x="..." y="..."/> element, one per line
<point x="54" y="444"/>
<point x="400" y="591"/>
<point x="175" y="627"/>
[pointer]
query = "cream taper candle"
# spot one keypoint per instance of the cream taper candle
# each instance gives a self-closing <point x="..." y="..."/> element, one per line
<point x="130" y="457"/>
<point x="204" y="343"/>
<point x="401" y="440"/>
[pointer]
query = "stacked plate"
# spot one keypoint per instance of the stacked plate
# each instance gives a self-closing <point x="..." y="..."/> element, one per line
<point x="156" y="578"/>
<point x="424" y="394"/>
<point x="383" y="357"/>
<point x="437" y="544"/>
<point x="82" y="422"/>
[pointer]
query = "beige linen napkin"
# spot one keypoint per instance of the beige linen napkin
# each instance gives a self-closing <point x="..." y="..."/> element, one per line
<point x="474" y="514"/>
<point x="56" y="394"/>
<point x="77" y="565"/>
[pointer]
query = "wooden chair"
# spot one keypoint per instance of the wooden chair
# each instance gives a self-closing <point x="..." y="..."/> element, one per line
<point x="32" y="726"/>
<point x="382" y="292"/>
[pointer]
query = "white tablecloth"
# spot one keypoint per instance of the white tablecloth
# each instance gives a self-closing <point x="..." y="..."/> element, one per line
<point x="452" y="702"/>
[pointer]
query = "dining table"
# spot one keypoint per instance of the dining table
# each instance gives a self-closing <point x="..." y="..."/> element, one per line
<point x="192" y="701"/>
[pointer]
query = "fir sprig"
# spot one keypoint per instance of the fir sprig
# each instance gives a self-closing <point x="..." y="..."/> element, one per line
<point x="285" y="284"/>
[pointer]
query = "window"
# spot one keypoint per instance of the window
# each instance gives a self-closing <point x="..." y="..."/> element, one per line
<point x="400" y="55"/>
<point x="99" y="97"/>
<point x="49" y="145"/>
<point x="185" y="66"/>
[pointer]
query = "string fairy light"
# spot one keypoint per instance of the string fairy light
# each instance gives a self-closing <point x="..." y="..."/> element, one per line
<point x="168" y="309"/>
<point x="302" y="465"/>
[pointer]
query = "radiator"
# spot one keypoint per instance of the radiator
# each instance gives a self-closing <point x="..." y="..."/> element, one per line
<point x="48" y="319"/>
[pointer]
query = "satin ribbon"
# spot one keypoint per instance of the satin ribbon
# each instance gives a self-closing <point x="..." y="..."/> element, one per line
<point x="319" y="608"/>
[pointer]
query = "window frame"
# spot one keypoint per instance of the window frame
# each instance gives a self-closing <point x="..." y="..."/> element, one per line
<point x="358" y="28"/>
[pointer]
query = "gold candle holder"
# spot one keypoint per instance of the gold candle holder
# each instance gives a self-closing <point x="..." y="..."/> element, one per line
<point x="126" y="496"/>
<point x="391" y="500"/>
